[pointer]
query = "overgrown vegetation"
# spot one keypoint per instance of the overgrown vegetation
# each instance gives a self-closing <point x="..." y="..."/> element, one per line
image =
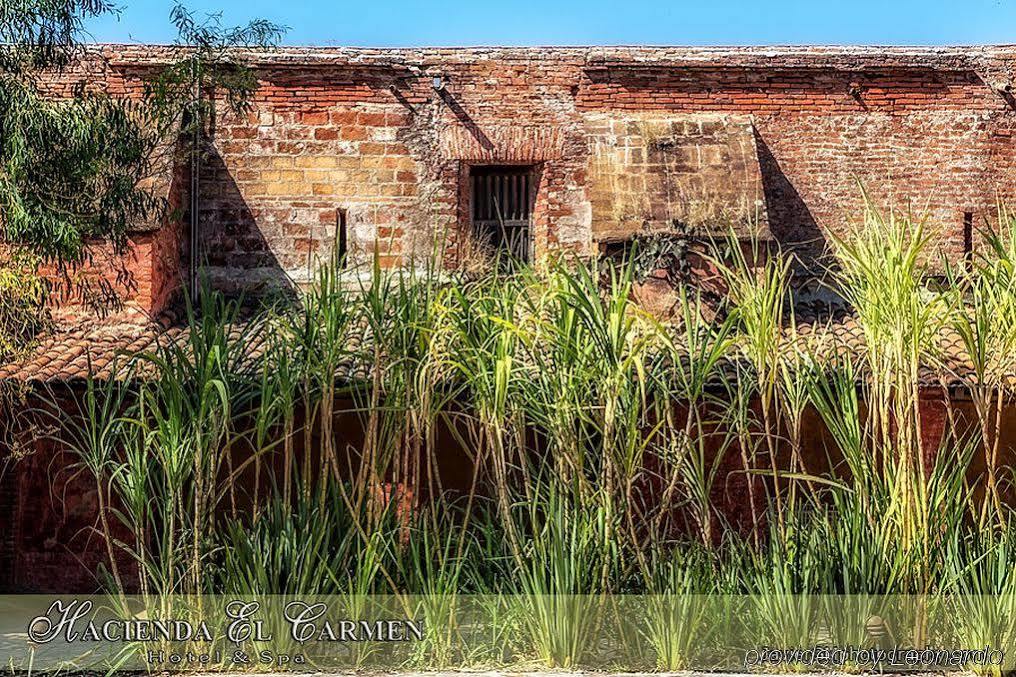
<point x="535" y="436"/>
<point x="529" y="435"/>
<point x="70" y="166"/>
<point x="79" y="166"/>
<point x="22" y="296"/>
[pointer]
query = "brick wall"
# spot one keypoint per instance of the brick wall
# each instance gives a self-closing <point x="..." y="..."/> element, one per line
<point x="920" y="133"/>
<point x="133" y="286"/>
<point x="138" y="283"/>
<point x="9" y="540"/>
<point x="57" y="545"/>
<point x="373" y="136"/>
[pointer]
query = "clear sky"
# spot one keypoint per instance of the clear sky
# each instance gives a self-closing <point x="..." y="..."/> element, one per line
<point x="595" y="22"/>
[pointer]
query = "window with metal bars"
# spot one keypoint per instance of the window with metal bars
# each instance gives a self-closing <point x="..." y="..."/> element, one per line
<point x="502" y="199"/>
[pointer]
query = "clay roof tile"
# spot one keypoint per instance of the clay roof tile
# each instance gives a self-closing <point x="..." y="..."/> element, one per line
<point x="108" y="350"/>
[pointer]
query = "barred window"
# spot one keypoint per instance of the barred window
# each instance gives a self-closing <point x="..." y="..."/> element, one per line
<point x="502" y="199"/>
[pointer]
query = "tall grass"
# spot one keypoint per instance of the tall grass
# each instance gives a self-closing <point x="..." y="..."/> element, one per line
<point x="691" y="451"/>
<point x="531" y="434"/>
<point x="882" y="269"/>
<point x="986" y="325"/>
<point x="758" y="287"/>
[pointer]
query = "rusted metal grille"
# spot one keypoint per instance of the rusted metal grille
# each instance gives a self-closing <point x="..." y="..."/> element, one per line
<point x="502" y="199"/>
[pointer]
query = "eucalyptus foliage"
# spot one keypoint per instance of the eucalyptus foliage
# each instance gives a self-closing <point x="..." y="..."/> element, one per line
<point x="71" y="166"/>
<point x="71" y="170"/>
<point x="210" y="69"/>
<point x="44" y="33"/>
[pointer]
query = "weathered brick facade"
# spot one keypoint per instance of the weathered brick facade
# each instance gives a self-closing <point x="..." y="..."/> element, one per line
<point x="619" y="140"/>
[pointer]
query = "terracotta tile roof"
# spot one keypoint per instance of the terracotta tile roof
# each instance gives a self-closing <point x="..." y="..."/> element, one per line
<point x="71" y="355"/>
<point x="113" y="351"/>
<point x="104" y="351"/>
<point x="839" y="334"/>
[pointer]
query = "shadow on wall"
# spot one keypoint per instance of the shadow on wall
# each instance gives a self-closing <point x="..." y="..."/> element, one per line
<point x="790" y="221"/>
<point x="234" y="241"/>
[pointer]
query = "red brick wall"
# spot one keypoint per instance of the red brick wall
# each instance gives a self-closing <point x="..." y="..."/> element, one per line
<point x="135" y="286"/>
<point x="366" y="132"/>
<point x="139" y="283"/>
<point x="939" y="140"/>
<point x="394" y="154"/>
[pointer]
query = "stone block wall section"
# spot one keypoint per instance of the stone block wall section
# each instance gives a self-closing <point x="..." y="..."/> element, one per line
<point x="698" y="171"/>
<point x="382" y="142"/>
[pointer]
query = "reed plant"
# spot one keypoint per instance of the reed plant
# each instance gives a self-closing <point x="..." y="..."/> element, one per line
<point x="982" y="579"/>
<point x="689" y="447"/>
<point x="566" y="552"/>
<point x="758" y="284"/>
<point x="986" y="325"/>
<point x="204" y="388"/>
<point x="286" y="549"/>
<point x="783" y="581"/>
<point x="532" y="437"/>
<point x="95" y="431"/>
<point x="321" y="329"/>
<point x="881" y="268"/>
<point x="679" y="624"/>
<point x="485" y="340"/>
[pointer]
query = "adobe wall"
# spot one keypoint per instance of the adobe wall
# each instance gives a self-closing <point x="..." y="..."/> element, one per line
<point x="368" y="137"/>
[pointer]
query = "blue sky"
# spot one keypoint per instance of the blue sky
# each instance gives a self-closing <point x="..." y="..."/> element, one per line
<point x="597" y="22"/>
